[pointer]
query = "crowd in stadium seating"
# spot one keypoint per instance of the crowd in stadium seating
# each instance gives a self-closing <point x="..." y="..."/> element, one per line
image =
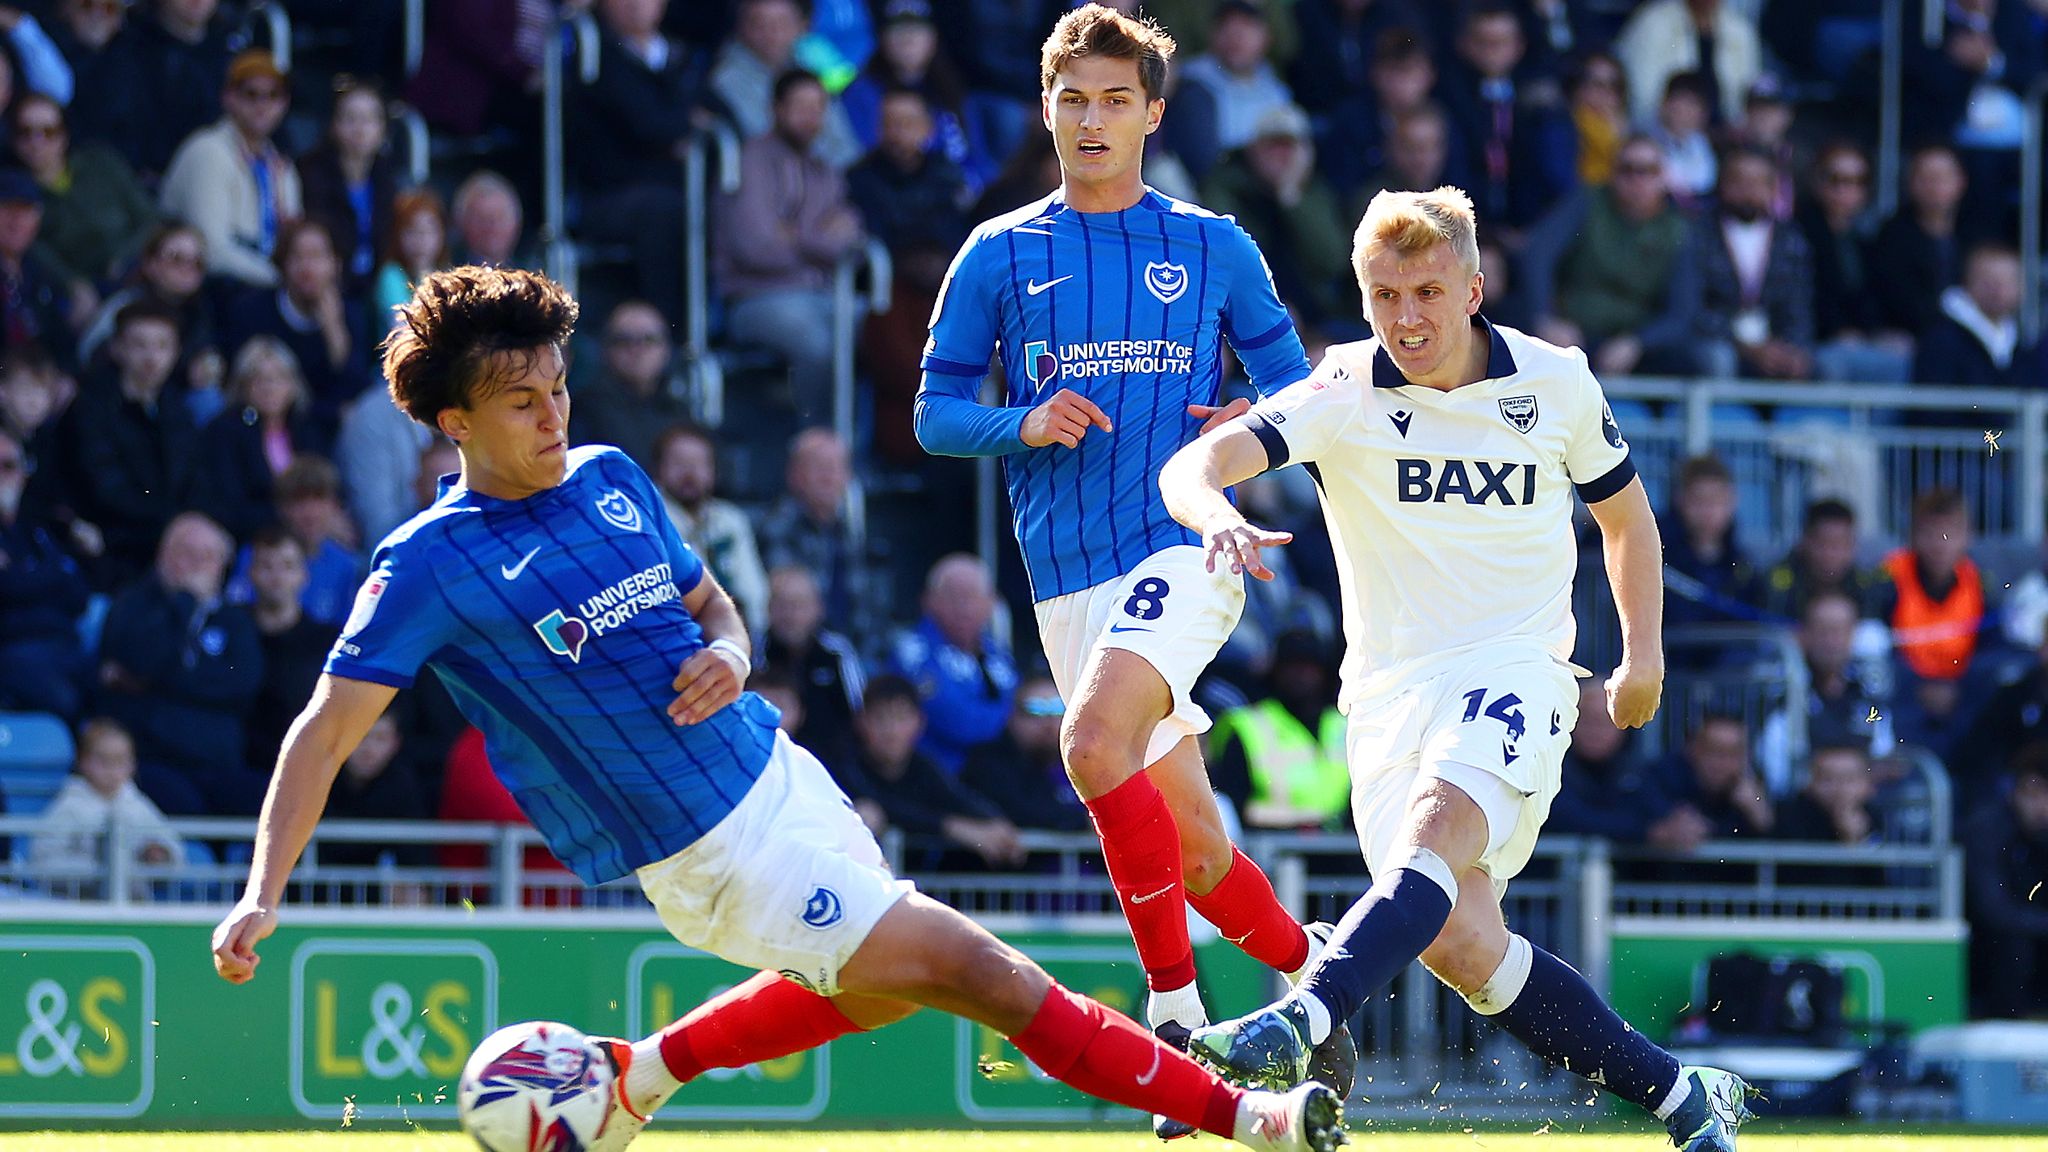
<point x="199" y="254"/>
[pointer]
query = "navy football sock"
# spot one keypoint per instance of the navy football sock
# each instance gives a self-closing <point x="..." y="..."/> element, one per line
<point x="1383" y="933"/>
<point x="1561" y="1018"/>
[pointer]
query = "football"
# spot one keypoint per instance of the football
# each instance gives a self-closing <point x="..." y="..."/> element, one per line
<point x="535" y="1086"/>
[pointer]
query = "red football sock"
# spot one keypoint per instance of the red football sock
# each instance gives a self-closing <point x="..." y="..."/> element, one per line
<point x="761" y="1019"/>
<point x="1244" y="908"/>
<point x="1082" y="1043"/>
<point x="1141" y="846"/>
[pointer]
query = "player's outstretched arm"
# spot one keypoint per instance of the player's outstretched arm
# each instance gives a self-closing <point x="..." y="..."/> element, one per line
<point x="1192" y="485"/>
<point x="323" y="736"/>
<point x="715" y="674"/>
<point x="1635" y="570"/>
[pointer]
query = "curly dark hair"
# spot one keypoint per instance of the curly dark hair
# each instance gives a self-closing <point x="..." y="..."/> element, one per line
<point x="440" y="353"/>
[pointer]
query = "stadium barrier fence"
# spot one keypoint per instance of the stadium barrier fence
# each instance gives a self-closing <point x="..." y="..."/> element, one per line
<point x="382" y="977"/>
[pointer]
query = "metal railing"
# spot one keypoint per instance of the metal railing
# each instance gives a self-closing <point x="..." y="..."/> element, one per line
<point x="1890" y="113"/>
<point x="871" y="260"/>
<point x="1789" y="443"/>
<point x="1422" y="1050"/>
<point x="277" y="27"/>
<point x="699" y="369"/>
<point x="415" y="28"/>
<point x="584" y="40"/>
<point x="2031" y="157"/>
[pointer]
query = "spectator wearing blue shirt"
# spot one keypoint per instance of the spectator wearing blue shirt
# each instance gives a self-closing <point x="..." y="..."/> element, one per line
<point x="963" y="673"/>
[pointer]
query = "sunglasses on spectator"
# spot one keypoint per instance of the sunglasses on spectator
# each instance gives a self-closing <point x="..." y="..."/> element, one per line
<point x="44" y="131"/>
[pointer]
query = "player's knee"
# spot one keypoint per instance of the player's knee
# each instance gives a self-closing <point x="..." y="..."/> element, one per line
<point x="1205" y="855"/>
<point x="1098" y="754"/>
<point x="1460" y="957"/>
<point x="982" y="968"/>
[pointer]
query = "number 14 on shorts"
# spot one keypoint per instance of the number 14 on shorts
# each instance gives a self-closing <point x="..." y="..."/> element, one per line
<point x="1506" y="708"/>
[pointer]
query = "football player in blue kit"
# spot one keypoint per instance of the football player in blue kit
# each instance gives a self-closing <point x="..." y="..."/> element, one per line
<point x="606" y="669"/>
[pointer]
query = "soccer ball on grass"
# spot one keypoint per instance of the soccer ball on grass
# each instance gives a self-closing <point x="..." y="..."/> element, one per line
<point x="538" y="1086"/>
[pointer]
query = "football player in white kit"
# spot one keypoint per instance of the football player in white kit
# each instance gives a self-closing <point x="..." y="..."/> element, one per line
<point x="1446" y="452"/>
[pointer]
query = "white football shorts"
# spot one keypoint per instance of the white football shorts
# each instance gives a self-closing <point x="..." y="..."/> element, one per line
<point x="1170" y="610"/>
<point x="1496" y="728"/>
<point x="791" y="880"/>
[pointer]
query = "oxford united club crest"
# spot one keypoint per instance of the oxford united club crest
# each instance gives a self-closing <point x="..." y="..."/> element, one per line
<point x="618" y="511"/>
<point x="1169" y="282"/>
<point x="1519" y="411"/>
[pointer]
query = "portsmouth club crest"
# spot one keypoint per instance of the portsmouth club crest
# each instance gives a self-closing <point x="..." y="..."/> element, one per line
<point x="1168" y="282"/>
<point x="1519" y="412"/>
<point x="618" y="511"/>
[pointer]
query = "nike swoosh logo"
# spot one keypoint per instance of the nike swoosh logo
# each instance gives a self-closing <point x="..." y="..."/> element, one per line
<point x="1033" y="287"/>
<point x="1127" y="628"/>
<point x="1152" y="1071"/>
<point x="512" y="571"/>
<point x="1152" y="895"/>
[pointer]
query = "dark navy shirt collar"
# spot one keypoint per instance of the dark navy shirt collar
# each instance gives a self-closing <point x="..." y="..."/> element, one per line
<point x="1500" y="363"/>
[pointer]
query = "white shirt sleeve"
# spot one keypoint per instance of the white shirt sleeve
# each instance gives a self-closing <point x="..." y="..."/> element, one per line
<point x="1595" y="455"/>
<point x="1302" y="421"/>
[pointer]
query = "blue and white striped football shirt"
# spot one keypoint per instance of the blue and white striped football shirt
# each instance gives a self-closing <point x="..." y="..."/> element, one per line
<point x="1129" y="309"/>
<point x="557" y="623"/>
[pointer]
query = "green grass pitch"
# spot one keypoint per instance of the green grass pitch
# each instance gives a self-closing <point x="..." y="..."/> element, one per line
<point x="364" y="1139"/>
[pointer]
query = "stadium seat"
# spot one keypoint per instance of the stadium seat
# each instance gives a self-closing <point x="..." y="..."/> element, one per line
<point x="35" y="756"/>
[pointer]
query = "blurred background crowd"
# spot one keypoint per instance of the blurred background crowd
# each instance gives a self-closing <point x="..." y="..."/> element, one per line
<point x="208" y="210"/>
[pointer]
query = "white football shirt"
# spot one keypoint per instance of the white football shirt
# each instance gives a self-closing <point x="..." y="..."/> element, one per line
<point x="1450" y="512"/>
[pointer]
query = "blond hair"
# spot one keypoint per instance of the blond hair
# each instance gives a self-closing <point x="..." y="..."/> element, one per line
<point x="1412" y="223"/>
<point x="1099" y="31"/>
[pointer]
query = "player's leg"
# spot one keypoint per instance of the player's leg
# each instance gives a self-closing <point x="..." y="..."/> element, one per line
<point x="1547" y="1005"/>
<point x="1118" y="701"/>
<point x="1226" y="887"/>
<point x="926" y="953"/>
<point x="765" y="1017"/>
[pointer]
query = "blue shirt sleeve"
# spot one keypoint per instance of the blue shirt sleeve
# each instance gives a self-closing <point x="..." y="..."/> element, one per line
<point x="398" y="621"/>
<point x="950" y="419"/>
<point x="1255" y="322"/>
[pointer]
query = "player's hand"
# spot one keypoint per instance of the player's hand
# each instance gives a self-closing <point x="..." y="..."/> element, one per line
<point x="1213" y="416"/>
<point x="1633" y="693"/>
<point x="1236" y="543"/>
<point x="235" y="938"/>
<point x="707" y="682"/>
<point x="1064" y="419"/>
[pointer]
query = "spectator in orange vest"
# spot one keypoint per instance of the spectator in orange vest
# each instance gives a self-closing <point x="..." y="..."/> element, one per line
<point x="1936" y="606"/>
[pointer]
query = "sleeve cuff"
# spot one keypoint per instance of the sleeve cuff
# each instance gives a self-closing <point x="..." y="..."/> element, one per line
<point x="1269" y="438"/>
<point x="347" y="671"/>
<point x="1255" y="343"/>
<point x="1617" y="478"/>
<point x="946" y="367"/>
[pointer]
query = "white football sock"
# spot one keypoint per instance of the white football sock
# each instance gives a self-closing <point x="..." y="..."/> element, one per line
<point x="1676" y="1097"/>
<point x="1315" y="949"/>
<point x="1318" y="1013"/>
<point x="649" y="1083"/>
<point x="1181" y="1005"/>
